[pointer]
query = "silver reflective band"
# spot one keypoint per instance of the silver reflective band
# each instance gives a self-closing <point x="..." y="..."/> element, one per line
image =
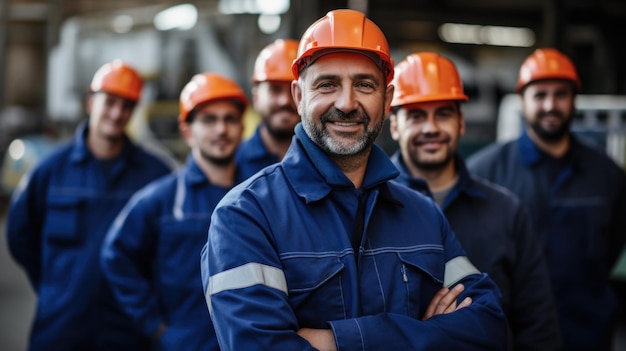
<point x="457" y="269"/>
<point x="248" y="275"/>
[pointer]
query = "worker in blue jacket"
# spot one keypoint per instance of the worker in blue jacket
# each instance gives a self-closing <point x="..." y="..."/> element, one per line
<point x="151" y="254"/>
<point x="489" y="221"/>
<point x="576" y="196"/>
<point x="60" y="213"/>
<point x="272" y="100"/>
<point x="322" y="250"/>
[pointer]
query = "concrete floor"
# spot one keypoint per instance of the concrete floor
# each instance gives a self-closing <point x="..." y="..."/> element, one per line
<point x="17" y="301"/>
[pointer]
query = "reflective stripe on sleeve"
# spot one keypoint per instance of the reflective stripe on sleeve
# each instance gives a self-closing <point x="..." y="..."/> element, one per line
<point x="245" y="276"/>
<point x="457" y="269"/>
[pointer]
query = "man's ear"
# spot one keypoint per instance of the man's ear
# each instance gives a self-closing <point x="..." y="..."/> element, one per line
<point x="461" y="124"/>
<point x="296" y="93"/>
<point x="393" y="126"/>
<point x="89" y="103"/>
<point x="388" y="98"/>
<point x="255" y="95"/>
<point x="185" y="130"/>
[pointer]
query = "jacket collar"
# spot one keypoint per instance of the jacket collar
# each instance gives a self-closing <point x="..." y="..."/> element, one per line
<point x="531" y="155"/>
<point x="464" y="186"/>
<point x="80" y="152"/>
<point x="256" y="149"/>
<point x="194" y="175"/>
<point x="314" y="175"/>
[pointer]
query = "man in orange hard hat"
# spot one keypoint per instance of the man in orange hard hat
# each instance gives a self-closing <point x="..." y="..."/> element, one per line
<point x="150" y="255"/>
<point x="427" y="122"/>
<point x="271" y="98"/>
<point x="60" y="213"/>
<point x="576" y="196"/>
<point x="323" y="250"/>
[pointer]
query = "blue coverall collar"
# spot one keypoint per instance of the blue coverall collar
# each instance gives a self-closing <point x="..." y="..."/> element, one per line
<point x="80" y="151"/>
<point x="258" y="151"/>
<point x="465" y="185"/>
<point x="194" y="176"/>
<point x="531" y="155"/>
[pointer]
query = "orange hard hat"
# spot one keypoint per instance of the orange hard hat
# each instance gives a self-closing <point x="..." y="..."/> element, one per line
<point x="274" y="61"/>
<point x="206" y="87"/>
<point x="426" y="76"/>
<point x="344" y="30"/>
<point x="546" y="64"/>
<point x="119" y="79"/>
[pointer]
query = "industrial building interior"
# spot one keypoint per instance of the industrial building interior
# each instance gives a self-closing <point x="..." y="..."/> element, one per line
<point x="49" y="50"/>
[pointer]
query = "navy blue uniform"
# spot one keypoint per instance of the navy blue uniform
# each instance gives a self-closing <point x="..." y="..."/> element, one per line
<point x="578" y="206"/>
<point x="56" y="224"/>
<point x="151" y="258"/>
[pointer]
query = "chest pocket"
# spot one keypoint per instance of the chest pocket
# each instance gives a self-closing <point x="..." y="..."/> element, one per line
<point x="61" y="220"/>
<point x="315" y="289"/>
<point x="422" y="274"/>
<point x="179" y="247"/>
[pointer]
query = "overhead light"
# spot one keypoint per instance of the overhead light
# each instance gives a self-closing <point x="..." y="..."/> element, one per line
<point x="122" y="24"/>
<point x="263" y="7"/>
<point x="182" y="17"/>
<point x="486" y="35"/>
<point x="17" y="149"/>
<point x="268" y="24"/>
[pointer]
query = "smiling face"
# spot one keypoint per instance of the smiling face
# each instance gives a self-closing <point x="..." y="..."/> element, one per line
<point x="548" y="108"/>
<point x="428" y="133"/>
<point x="343" y="99"/>
<point x="215" y="131"/>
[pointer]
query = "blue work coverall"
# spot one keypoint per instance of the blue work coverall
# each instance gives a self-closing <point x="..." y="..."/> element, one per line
<point x="252" y="155"/>
<point x="56" y="224"/>
<point x="496" y="232"/>
<point x="151" y="258"/>
<point x="284" y="253"/>
<point x="578" y="207"/>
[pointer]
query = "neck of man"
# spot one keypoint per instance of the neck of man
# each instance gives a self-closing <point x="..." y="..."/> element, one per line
<point x="438" y="178"/>
<point x="555" y="148"/>
<point x="353" y="166"/>
<point x="218" y="174"/>
<point x="275" y="146"/>
<point x="102" y="147"/>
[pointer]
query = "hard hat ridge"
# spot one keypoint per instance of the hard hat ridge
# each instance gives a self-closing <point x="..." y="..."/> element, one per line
<point x="344" y="30"/>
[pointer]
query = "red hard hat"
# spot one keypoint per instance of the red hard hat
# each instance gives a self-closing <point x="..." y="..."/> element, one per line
<point x="206" y="87"/>
<point x="274" y="61"/>
<point x="426" y="76"/>
<point x="344" y="30"/>
<point x="119" y="79"/>
<point x="546" y="64"/>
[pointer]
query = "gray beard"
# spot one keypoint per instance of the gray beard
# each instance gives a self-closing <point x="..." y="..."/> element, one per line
<point x="326" y="142"/>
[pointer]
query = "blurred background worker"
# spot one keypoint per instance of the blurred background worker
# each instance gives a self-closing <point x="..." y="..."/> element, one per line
<point x="576" y="196"/>
<point x="489" y="221"/>
<point x="151" y="254"/>
<point x="59" y="215"/>
<point x="271" y="98"/>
